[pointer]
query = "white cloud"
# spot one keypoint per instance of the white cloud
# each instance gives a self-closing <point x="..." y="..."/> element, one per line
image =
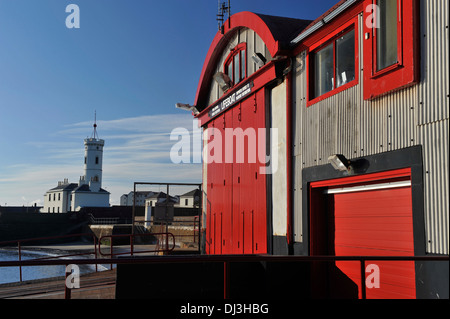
<point x="136" y="149"/>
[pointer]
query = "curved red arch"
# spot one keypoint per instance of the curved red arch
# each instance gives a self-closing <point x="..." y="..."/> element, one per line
<point x="241" y="19"/>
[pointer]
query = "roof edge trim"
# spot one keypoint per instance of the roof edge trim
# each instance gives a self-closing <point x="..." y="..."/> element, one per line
<point x="330" y="16"/>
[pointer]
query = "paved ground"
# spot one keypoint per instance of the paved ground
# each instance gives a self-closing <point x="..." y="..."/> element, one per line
<point x="97" y="285"/>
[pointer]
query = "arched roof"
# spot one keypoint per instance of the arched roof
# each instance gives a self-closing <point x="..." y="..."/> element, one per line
<point x="275" y="32"/>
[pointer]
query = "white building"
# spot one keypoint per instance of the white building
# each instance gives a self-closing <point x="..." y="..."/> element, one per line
<point x="88" y="192"/>
<point x="190" y="199"/>
<point x="127" y="199"/>
<point x="58" y="199"/>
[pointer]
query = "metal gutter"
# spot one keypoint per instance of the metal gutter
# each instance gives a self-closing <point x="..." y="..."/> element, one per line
<point x="324" y="21"/>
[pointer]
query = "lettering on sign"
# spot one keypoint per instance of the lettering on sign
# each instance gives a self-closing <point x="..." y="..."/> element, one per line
<point x="231" y="100"/>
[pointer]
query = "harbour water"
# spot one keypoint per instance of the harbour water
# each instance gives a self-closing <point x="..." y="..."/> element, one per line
<point x="12" y="274"/>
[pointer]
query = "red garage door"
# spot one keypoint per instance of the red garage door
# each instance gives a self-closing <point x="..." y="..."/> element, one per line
<point x="365" y="215"/>
<point x="376" y="222"/>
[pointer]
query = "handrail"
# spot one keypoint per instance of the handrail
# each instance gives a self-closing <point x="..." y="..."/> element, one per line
<point x="226" y="260"/>
<point x="20" y="242"/>
<point x="132" y="237"/>
<point x="217" y="258"/>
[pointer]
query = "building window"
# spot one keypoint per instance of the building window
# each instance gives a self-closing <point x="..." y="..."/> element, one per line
<point x="386" y="35"/>
<point x="186" y="202"/>
<point x="54" y="196"/>
<point x="323" y="71"/>
<point x="59" y="196"/>
<point x="236" y="64"/>
<point x="332" y="64"/>
<point x="96" y="160"/>
<point x="391" y="46"/>
<point x="49" y="197"/>
<point x="345" y="59"/>
<point x="85" y="160"/>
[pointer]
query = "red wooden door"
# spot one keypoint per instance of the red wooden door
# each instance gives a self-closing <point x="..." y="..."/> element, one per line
<point x="236" y="206"/>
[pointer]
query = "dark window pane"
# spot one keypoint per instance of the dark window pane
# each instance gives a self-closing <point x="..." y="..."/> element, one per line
<point x="387" y="34"/>
<point x="236" y="69"/>
<point x="243" y="66"/>
<point x="230" y="70"/>
<point x="323" y="70"/>
<point x="345" y="58"/>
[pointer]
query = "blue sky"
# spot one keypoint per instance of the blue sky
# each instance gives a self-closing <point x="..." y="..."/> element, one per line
<point x="130" y="61"/>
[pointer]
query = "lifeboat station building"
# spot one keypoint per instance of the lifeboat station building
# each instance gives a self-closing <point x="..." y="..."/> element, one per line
<point x="330" y="137"/>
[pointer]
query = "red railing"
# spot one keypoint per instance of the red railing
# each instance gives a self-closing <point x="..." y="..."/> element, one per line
<point x="226" y="260"/>
<point x="96" y="252"/>
<point x="20" y="246"/>
<point x="54" y="260"/>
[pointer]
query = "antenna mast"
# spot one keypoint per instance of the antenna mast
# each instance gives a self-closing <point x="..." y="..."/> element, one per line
<point x="95" y="135"/>
<point x="223" y="9"/>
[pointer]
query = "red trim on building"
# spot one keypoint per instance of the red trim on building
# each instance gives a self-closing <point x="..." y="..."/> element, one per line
<point x="260" y="79"/>
<point x="346" y="27"/>
<point x="400" y="173"/>
<point x="406" y="71"/>
<point x="330" y="27"/>
<point x="231" y="59"/>
<point x="241" y="19"/>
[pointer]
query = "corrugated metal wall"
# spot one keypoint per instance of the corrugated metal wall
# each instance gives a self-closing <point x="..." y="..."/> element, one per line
<point x="345" y="123"/>
<point x="432" y="117"/>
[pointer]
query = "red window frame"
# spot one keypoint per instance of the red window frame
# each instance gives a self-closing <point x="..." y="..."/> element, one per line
<point x="375" y="71"/>
<point x="236" y="52"/>
<point x="331" y="38"/>
<point x="406" y="71"/>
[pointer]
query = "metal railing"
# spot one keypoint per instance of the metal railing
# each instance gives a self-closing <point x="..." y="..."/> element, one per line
<point x="193" y="229"/>
<point x="167" y="199"/>
<point x="226" y="260"/>
<point x="159" y="237"/>
<point x="20" y="246"/>
<point x="51" y="243"/>
<point x="108" y="220"/>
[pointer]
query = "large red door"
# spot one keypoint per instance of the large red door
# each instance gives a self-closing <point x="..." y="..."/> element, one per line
<point x="236" y="190"/>
<point x="377" y="223"/>
<point x="258" y="179"/>
<point x="214" y="196"/>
